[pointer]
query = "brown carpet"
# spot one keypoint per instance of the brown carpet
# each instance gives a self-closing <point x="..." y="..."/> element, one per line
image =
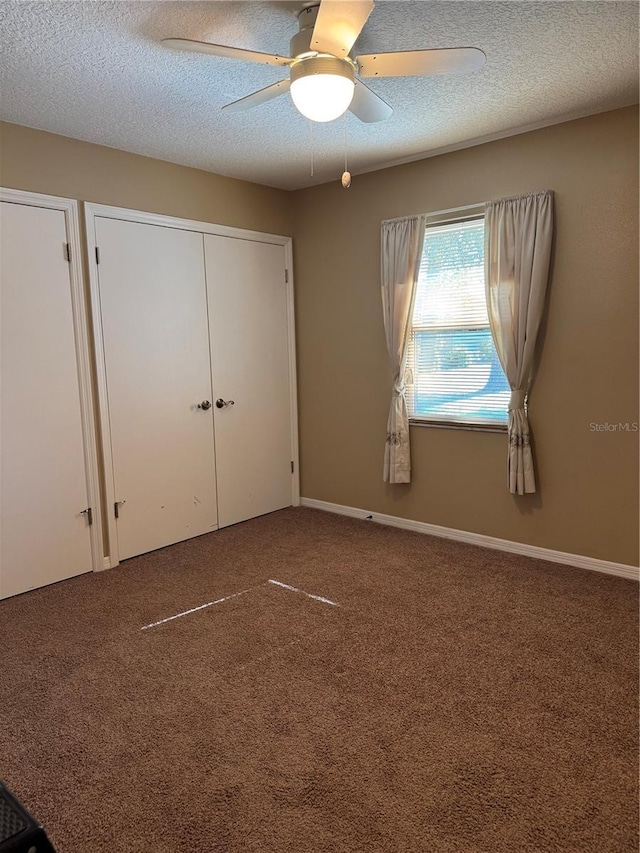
<point x="458" y="699"/>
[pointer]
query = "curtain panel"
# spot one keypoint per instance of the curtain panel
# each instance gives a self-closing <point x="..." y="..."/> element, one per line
<point x="401" y="250"/>
<point x="518" y="235"/>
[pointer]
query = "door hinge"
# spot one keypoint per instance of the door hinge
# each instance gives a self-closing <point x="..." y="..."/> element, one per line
<point x="67" y="251"/>
<point x="292" y="466"/>
<point x="116" y="508"/>
<point x="97" y="255"/>
<point x="89" y="513"/>
<point x="286" y="276"/>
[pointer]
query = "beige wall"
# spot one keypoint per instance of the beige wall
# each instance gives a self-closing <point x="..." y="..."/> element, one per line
<point x="588" y="369"/>
<point x="46" y="163"/>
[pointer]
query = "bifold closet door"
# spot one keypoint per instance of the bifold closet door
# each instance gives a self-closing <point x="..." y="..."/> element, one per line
<point x="251" y="376"/>
<point x="44" y="535"/>
<point x="155" y="336"/>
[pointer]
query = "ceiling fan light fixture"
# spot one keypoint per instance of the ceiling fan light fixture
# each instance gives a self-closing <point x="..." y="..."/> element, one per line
<point x="322" y="87"/>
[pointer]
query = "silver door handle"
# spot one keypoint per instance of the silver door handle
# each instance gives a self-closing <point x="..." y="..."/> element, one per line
<point x="222" y="404"/>
<point x="205" y="404"/>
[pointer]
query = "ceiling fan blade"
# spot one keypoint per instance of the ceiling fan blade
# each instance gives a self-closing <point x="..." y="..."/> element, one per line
<point x="259" y="97"/>
<point x="339" y="24"/>
<point x="226" y="51"/>
<point x="414" y="63"/>
<point x="368" y="106"/>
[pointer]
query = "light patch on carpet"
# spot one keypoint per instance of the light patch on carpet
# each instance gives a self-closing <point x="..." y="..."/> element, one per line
<point x="302" y="592"/>
<point x="200" y="607"/>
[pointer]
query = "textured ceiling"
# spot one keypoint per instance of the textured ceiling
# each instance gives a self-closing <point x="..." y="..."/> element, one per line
<point x="96" y="71"/>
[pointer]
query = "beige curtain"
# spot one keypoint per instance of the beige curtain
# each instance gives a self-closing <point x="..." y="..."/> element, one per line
<point x="401" y="251"/>
<point x="518" y="233"/>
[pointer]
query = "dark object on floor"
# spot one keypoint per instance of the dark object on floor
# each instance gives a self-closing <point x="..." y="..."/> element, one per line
<point x="19" y="831"/>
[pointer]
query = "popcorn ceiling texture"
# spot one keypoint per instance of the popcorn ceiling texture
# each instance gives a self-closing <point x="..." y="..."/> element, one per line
<point x="459" y="700"/>
<point x="96" y="71"/>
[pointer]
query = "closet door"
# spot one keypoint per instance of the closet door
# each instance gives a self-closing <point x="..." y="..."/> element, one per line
<point x="250" y="364"/>
<point x="44" y="535"/>
<point x="155" y="336"/>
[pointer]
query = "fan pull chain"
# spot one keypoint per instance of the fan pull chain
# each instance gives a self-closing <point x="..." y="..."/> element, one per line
<point x="346" y="175"/>
<point x="311" y="144"/>
<point x="344" y="128"/>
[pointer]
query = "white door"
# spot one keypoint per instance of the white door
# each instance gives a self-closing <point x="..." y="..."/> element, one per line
<point x="251" y="382"/>
<point x="44" y="537"/>
<point x="156" y="349"/>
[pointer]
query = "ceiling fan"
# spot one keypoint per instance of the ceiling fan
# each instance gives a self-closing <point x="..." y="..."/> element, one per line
<point x="323" y="76"/>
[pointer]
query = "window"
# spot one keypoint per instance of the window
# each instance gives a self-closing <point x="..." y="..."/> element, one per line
<point x="454" y="376"/>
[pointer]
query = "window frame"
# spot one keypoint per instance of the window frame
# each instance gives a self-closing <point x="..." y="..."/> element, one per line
<point x="453" y="217"/>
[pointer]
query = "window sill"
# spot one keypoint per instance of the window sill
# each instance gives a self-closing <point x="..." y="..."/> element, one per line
<point x="420" y="422"/>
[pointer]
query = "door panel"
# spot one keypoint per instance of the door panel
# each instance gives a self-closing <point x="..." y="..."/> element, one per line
<point x="250" y="365"/>
<point x="156" y="344"/>
<point x="44" y="538"/>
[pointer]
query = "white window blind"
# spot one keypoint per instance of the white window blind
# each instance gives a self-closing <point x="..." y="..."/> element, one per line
<point x="454" y="375"/>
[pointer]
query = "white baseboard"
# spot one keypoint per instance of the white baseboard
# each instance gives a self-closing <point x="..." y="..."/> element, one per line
<point x="591" y="563"/>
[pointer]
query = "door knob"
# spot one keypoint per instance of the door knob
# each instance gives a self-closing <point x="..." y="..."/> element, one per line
<point x="205" y="404"/>
<point x="222" y="404"/>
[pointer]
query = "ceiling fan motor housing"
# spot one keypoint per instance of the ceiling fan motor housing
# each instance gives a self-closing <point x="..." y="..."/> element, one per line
<point x="308" y="61"/>
<point x="321" y="64"/>
<point x="301" y="42"/>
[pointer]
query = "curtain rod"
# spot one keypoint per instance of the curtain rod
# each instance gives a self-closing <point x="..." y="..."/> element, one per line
<point x="440" y="212"/>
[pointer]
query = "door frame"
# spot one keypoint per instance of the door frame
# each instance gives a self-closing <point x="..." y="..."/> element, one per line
<point x="82" y="338"/>
<point x="93" y="211"/>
